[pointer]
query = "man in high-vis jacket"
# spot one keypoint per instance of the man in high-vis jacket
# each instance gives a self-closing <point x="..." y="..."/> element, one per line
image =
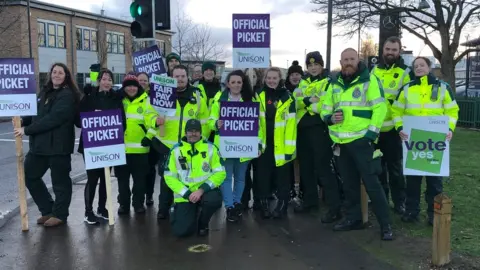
<point x="194" y="172"/>
<point x="354" y="108"/>
<point x="393" y="74"/>
<point x="190" y="104"/>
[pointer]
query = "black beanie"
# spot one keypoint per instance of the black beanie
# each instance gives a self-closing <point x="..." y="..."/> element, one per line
<point x="294" y="68"/>
<point x="209" y="65"/>
<point x="314" y="57"/>
<point x="193" y="124"/>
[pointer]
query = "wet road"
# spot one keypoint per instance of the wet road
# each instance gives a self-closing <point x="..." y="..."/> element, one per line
<point x="8" y="169"/>
<point x="139" y="242"/>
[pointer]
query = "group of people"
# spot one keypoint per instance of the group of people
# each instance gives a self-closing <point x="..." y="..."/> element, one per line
<point x="318" y="129"/>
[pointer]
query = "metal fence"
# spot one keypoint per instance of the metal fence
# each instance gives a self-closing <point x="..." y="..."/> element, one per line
<point x="469" y="114"/>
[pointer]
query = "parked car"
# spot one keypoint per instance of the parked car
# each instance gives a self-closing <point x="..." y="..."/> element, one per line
<point x="116" y="87"/>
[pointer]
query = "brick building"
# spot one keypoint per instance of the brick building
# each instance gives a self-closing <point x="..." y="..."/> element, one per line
<point x="76" y="38"/>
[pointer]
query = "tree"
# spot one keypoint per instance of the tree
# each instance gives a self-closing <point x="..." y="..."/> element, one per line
<point x="102" y="44"/>
<point x="194" y="42"/>
<point x="10" y="23"/>
<point x="446" y="19"/>
<point x="369" y="48"/>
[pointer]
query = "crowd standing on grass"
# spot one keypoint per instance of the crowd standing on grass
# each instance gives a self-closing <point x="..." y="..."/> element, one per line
<point x="315" y="130"/>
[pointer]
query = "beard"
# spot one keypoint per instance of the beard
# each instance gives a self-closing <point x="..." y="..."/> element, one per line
<point x="389" y="59"/>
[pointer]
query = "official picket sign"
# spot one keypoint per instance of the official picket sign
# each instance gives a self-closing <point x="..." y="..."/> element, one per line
<point x="426" y="152"/>
<point x="149" y="60"/>
<point x="239" y="132"/>
<point x="163" y="94"/>
<point x="18" y="95"/>
<point x="251" y="40"/>
<point x="102" y="133"/>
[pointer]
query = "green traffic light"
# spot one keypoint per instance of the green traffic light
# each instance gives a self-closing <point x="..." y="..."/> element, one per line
<point x="139" y="11"/>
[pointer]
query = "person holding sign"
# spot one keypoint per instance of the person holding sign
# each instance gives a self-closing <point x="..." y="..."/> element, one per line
<point x="238" y="90"/>
<point x="97" y="99"/>
<point x="425" y="95"/>
<point x="194" y="171"/>
<point x="354" y="109"/>
<point x="52" y="138"/>
<point x="277" y="121"/>
<point x="189" y="105"/>
<point x="140" y="129"/>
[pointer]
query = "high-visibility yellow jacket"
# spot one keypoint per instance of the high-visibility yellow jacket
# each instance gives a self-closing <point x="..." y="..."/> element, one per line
<point x="215" y="115"/>
<point x="204" y="92"/>
<point x="141" y="118"/>
<point x="363" y="105"/>
<point x="196" y="108"/>
<point x="310" y="87"/>
<point x="202" y="168"/>
<point x="392" y="79"/>
<point x="425" y="96"/>
<point x="285" y="134"/>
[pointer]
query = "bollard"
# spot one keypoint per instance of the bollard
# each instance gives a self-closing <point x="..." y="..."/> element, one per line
<point x="441" y="230"/>
<point x="364" y="202"/>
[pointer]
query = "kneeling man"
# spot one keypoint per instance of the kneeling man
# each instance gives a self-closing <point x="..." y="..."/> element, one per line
<point x="194" y="172"/>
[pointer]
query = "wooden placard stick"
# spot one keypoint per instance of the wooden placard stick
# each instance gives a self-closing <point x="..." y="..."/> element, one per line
<point x="22" y="194"/>
<point x="108" y="186"/>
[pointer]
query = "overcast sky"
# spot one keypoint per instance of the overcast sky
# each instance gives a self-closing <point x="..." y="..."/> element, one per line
<point x="292" y="22"/>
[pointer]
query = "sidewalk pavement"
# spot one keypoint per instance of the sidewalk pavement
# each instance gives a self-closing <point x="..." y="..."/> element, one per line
<point x="141" y="242"/>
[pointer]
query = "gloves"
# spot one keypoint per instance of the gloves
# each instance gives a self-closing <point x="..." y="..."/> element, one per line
<point x="146" y="142"/>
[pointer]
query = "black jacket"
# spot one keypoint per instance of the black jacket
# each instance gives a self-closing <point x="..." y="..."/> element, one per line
<point x="52" y="130"/>
<point x="96" y="100"/>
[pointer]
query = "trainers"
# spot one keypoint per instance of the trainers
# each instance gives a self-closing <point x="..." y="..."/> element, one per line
<point x="102" y="213"/>
<point x="232" y="214"/>
<point x="238" y="209"/>
<point x="91" y="219"/>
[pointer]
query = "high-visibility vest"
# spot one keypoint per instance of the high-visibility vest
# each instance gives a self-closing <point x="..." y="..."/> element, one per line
<point x="215" y="115"/>
<point x="204" y="94"/>
<point x="307" y="89"/>
<point x="202" y="169"/>
<point x="363" y="105"/>
<point x="392" y="80"/>
<point x="175" y="125"/>
<point x="425" y="96"/>
<point x="285" y="133"/>
<point x="141" y="120"/>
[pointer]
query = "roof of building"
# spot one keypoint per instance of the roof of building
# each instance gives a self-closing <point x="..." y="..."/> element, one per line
<point x="77" y="13"/>
<point x="472" y="43"/>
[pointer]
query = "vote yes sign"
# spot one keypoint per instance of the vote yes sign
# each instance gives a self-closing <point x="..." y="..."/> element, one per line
<point x="239" y="132"/>
<point x="102" y="134"/>
<point x="426" y="152"/>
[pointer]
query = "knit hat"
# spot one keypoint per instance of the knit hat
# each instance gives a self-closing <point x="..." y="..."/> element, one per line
<point x="130" y="80"/>
<point x="314" y="57"/>
<point x="294" y="68"/>
<point x="173" y="55"/>
<point x="193" y="124"/>
<point x="209" y="65"/>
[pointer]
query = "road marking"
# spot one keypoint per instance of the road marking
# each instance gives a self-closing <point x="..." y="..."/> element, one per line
<point x="7" y="133"/>
<point x="12" y="140"/>
<point x="199" y="248"/>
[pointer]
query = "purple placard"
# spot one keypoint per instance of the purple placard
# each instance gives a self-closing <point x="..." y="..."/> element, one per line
<point x="102" y="128"/>
<point x="251" y="30"/>
<point x="149" y="60"/>
<point x="240" y="119"/>
<point x="17" y="76"/>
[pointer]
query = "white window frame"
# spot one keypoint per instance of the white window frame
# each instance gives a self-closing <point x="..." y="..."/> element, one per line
<point x="90" y="30"/>
<point x="46" y="33"/>
<point x="109" y="48"/>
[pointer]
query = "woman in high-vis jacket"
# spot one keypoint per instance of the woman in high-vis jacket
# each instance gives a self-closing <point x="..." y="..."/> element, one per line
<point x="277" y="121"/>
<point x="238" y="89"/>
<point x="425" y="95"/>
<point x="142" y="121"/>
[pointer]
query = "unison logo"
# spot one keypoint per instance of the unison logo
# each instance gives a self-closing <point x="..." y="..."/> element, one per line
<point x="102" y="157"/>
<point x="249" y="58"/>
<point x="236" y="147"/>
<point x="13" y="105"/>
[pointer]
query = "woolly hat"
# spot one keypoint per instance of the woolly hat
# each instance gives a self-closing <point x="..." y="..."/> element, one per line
<point x="209" y="65"/>
<point x="314" y="57"/>
<point x="173" y="55"/>
<point x="130" y="80"/>
<point x="294" y="68"/>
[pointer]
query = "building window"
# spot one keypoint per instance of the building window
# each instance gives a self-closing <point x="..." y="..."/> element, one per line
<point x="51" y="34"/>
<point x="42" y="79"/>
<point x="86" y="39"/>
<point x="41" y="34"/>
<point x="115" y="43"/>
<point x="81" y="79"/>
<point x="60" y="36"/>
<point x="118" y="78"/>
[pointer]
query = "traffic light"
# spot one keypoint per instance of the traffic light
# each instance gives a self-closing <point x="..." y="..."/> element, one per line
<point x="143" y="14"/>
<point x="162" y="14"/>
<point x="389" y="26"/>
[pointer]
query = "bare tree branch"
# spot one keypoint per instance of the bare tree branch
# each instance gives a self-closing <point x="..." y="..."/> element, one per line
<point x="9" y="29"/>
<point x="464" y="53"/>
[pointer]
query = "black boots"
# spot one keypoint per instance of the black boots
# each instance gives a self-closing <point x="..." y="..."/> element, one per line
<point x="265" y="208"/>
<point x="280" y="209"/>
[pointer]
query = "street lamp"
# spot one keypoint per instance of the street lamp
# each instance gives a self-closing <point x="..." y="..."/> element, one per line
<point x="423" y="4"/>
